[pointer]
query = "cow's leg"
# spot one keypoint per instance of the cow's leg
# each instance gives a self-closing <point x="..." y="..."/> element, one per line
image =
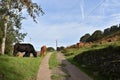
<point x="27" y="54"/>
<point x="44" y="53"/>
<point x="41" y="53"/>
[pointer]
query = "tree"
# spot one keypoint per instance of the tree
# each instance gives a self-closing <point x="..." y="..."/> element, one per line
<point x="106" y="31"/>
<point x="13" y="35"/>
<point x="12" y="8"/>
<point x="50" y="49"/>
<point x="113" y="28"/>
<point x="1" y="23"/>
<point x="84" y="38"/>
<point x="97" y="35"/>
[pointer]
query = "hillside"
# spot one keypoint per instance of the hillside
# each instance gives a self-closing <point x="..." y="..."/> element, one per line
<point x="104" y="63"/>
<point x="115" y="36"/>
<point x="99" y="61"/>
<point x="111" y="34"/>
<point x="98" y="55"/>
<point x="98" y="34"/>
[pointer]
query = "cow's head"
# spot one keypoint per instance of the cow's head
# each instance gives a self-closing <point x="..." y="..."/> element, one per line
<point x="35" y="54"/>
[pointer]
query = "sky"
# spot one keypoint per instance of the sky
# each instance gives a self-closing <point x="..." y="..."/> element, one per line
<point x="68" y="20"/>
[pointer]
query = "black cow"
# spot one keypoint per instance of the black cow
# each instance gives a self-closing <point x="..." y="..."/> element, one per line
<point x="27" y="48"/>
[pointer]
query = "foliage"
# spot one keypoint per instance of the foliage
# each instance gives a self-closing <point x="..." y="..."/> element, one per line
<point x="98" y="35"/>
<point x="13" y="35"/>
<point x="50" y="49"/>
<point x="14" y="11"/>
<point x="111" y="30"/>
<point x="106" y="31"/>
<point x="16" y="7"/>
<point x="60" y="48"/>
<point x="15" y="68"/>
<point x="84" y="38"/>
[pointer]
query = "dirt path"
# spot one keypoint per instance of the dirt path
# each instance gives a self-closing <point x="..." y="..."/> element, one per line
<point x="44" y="73"/>
<point x="67" y="71"/>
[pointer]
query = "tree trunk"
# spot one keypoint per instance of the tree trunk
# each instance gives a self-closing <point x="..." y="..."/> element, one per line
<point x="4" y="31"/>
<point x="4" y="39"/>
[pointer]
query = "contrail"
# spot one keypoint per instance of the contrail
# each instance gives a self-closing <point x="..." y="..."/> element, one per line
<point x="82" y="9"/>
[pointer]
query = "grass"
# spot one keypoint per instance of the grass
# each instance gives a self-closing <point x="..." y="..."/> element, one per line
<point x="53" y="62"/>
<point x="95" y="47"/>
<point x="15" y="68"/>
<point x="74" y="51"/>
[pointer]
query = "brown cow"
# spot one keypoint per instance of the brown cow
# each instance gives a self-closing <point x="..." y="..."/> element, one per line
<point x="43" y="50"/>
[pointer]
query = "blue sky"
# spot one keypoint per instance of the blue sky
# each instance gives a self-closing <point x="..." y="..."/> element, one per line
<point x="67" y="20"/>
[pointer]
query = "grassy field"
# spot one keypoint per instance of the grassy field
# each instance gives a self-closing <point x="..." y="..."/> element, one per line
<point x="15" y="68"/>
<point x="99" y="61"/>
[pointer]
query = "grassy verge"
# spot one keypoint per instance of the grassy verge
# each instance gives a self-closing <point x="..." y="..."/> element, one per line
<point x="14" y="68"/>
<point x="97" y="61"/>
<point x="53" y="62"/>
